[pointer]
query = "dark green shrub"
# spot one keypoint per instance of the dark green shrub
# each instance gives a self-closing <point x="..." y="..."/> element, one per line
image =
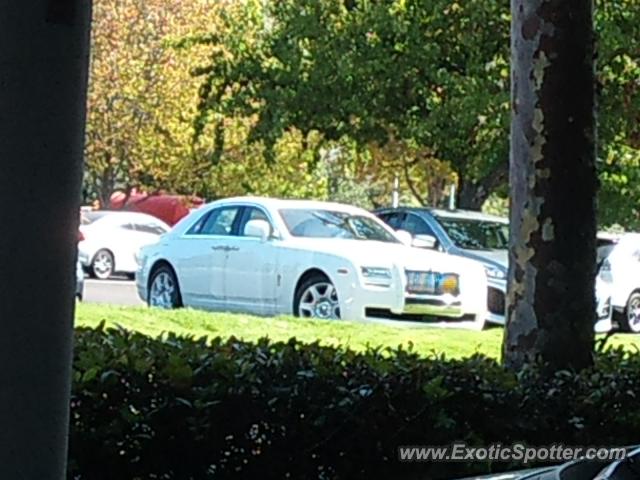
<point x="184" y="408"/>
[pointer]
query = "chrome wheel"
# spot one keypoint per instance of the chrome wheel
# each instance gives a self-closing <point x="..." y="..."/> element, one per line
<point x="163" y="291"/>
<point x="633" y="314"/>
<point x="319" y="300"/>
<point x="102" y="265"/>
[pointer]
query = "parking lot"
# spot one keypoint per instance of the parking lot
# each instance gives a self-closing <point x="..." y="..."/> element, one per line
<point x="115" y="291"/>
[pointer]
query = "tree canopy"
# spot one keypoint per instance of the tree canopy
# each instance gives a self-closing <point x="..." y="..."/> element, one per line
<point x="431" y="76"/>
<point x="225" y="98"/>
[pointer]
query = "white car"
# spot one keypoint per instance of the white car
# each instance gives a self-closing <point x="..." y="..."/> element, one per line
<point x="620" y="270"/>
<point x="307" y="258"/>
<point x="110" y="240"/>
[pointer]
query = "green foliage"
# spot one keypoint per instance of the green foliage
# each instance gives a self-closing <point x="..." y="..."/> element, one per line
<point x="349" y="334"/>
<point x="425" y="73"/>
<point x="618" y="28"/>
<point x="141" y="96"/>
<point x="417" y="89"/>
<point x="496" y="205"/>
<point x="429" y="76"/>
<point x="184" y="408"/>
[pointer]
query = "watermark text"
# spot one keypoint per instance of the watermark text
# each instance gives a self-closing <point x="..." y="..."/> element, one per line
<point x="518" y="452"/>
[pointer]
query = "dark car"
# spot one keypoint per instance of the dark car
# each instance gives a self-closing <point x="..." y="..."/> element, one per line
<point x="468" y="234"/>
<point x="624" y="469"/>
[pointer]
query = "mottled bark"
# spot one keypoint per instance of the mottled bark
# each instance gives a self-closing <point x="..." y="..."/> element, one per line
<point x="553" y="185"/>
<point x="43" y="72"/>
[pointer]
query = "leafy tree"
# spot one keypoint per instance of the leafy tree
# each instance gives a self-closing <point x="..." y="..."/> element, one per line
<point x="429" y="75"/>
<point x="142" y="97"/>
<point x="618" y="29"/>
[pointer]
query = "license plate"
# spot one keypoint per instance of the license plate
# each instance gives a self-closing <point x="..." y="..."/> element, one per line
<point x="421" y="282"/>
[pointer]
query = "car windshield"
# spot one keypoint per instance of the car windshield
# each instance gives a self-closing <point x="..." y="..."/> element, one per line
<point x="87" y="218"/>
<point x="476" y="234"/>
<point x="317" y="223"/>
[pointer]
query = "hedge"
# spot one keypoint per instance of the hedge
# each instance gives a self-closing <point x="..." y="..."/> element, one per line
<point x="184" y="408"/>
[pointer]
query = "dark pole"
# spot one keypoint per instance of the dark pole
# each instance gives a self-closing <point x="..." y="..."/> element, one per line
<point x="44" y="47"/>
<point x="553" y="184"/>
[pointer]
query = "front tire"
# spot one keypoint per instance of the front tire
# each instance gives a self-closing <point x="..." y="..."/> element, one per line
<point x="164" y="291"/>
<point x="630" y="320"/>
<point x="102" y="265"/>
<point x="316" y="297"/>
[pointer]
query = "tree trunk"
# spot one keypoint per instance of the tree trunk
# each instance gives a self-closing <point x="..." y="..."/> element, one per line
<point x="44" y="58"/>
<point x="550" y="304"/>
<point x="471" y="195"/>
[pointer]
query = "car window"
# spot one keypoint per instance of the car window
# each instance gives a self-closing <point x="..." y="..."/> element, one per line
<point x="319" y="223"/>
<point x="152" y="228"/>
<point x="216" y="222"/>
<point x="417" y="226"/>
<point x="87" y="218"/>
<point x="603" y="251"/>
<point x="394" y="220"/>
<point x="253" y="213"/>
<point x="476" y="234"/>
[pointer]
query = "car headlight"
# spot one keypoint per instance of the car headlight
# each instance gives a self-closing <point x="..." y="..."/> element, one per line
<point x="497" y="273"/>
<point x="376" y="275"/>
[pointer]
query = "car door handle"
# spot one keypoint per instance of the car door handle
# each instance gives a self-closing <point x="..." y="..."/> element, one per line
<point x="225" y="248"/>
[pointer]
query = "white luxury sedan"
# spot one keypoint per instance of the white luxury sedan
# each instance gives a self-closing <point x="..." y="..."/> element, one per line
<point x="110" y="240"/>
<point x="619" y="260"/>
<point x="312" y="259"/>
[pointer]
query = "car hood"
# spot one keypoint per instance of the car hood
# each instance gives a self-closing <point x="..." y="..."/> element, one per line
<point x="384" y="254"/>
<point x="494" y="258"/>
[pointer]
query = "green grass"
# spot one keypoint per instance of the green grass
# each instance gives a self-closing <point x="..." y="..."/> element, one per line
<point x="454" y="343"/>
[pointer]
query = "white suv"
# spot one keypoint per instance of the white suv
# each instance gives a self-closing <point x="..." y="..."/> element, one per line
<point x="619" y="260"/>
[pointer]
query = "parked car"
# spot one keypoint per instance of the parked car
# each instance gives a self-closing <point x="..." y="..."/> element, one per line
<point x="473" y="235"/>
<point x="619" y="258"/>
<point x="484" y="238"/>
<point x="581" y="469"/>
<point x="312" y="259"/>
<point x="604" y="309"/>
<point x="168" y="208"/>
<point x="110" y="240"/>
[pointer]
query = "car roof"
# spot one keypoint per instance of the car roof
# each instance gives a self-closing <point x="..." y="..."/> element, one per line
<point x="120" y="216"/>
<point x="453" y="214"/>
<point x="281" y="203"/>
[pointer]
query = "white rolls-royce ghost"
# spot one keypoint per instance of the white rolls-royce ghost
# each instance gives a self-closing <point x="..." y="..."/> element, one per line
<point x="308" y="258"/>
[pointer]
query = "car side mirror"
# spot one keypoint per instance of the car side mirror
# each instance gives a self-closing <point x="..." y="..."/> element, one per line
<point x="424" y="241"/>
<point x="405" y="237"/>
<point x="258" y="229"/>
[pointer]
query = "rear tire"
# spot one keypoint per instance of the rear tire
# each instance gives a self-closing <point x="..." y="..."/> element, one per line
<point x="316" y="297"/>
<point x="630" y="320"/>
<point x="102" y="265"/>
<point x="164" y="291"/>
